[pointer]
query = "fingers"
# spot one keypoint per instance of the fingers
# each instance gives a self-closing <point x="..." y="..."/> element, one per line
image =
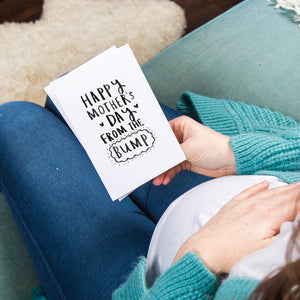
<point x="284" y="195"/>
<point x="253" y="190"/>
<point x="158" y="179"/>
<point x="289" y="194"/>
<point x="164" y="178"/>
<point x="275" y="206"/>
<point x="268" y="241"/>
<point x="281" y="189"/>
<point x="286" y="201"/>
<point x="167" y="176"/>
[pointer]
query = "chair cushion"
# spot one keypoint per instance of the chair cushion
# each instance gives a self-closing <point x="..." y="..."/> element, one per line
<point x="250" y="53"/>
<point x="17" y="274"/>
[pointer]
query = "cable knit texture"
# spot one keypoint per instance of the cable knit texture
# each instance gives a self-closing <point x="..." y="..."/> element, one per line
<point x="264" y="142"/>
<point x="187" y="279"/>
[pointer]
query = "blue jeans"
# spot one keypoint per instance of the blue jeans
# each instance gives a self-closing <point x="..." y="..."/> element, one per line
<point x="82" y="244"/>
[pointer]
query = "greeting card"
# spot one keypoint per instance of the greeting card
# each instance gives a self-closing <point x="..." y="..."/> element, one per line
<point x="110" y="107"/>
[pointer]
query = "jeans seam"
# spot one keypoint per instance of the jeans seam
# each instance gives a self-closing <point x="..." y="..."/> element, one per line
<point x="146" y="200"/>
<point x="52" y="276"/>
<point x="143" y="208"/>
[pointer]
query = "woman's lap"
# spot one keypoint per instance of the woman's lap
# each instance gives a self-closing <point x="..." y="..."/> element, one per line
<point x="151" y="199"/>
<point x="82" y="243"/>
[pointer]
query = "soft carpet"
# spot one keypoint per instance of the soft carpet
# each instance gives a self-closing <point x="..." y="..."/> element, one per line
<point x="70" y="32"/>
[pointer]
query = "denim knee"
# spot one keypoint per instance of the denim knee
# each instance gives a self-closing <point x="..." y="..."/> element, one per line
<point x="10" y="111"/>
<point x="15" y="119"/>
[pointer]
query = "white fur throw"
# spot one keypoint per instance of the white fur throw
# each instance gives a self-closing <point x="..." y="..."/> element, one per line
<point x="70" y="32"/>
<point x="293" y="5"/>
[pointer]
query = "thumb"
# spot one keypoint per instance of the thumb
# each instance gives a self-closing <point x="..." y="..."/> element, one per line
<point x="188" y="149"/>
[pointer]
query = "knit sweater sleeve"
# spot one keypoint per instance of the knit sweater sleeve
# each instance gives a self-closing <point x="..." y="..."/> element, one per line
<point x="266" y="154"/>
<point x="236" y="288"/>
<point x="188" y="278"/>
<point x="231" y="118"/>
<point x="263" y="141"/>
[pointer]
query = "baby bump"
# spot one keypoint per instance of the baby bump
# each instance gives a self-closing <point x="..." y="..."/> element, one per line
<point x="188" y="213"/>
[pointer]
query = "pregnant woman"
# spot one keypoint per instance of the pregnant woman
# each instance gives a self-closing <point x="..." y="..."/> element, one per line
<point x="210" y="238"/>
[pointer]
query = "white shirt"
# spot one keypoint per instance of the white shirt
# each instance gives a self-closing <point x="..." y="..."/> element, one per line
<point x="188" y="213"/>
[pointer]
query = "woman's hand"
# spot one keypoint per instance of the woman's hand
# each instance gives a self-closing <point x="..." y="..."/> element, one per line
<point x="249" y="222"/>
<point x="207" y="151"/>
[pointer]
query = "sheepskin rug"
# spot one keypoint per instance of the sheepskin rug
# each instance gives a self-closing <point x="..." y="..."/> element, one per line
<point x="70" y="32"/>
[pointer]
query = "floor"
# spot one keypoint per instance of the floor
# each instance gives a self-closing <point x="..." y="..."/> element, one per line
<point x="197" y="12"/>
<point x="20" y="10"/>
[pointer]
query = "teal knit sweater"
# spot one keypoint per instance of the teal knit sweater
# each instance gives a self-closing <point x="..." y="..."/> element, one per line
<point x="264" y="142"/>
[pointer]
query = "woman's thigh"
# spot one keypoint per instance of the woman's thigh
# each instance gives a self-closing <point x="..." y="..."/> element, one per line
<point x="82" y="244"/>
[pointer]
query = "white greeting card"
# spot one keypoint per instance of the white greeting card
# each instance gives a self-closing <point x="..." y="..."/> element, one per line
<point x="110" y="107"/>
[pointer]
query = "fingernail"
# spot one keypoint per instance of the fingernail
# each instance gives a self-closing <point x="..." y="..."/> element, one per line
<point x="155" y="181"/>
